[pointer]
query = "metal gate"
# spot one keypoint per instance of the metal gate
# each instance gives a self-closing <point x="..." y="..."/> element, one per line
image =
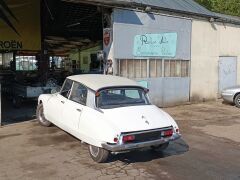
<point x="227" y="72"/>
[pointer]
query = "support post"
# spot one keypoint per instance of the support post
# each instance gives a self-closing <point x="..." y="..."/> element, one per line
<point x="0" y="104"/>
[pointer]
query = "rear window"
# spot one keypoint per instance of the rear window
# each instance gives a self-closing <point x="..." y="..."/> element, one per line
<point x="121" y="97"/>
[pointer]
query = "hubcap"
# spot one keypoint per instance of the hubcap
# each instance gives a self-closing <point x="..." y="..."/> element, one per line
<point x="94" y="150"/>
<point x="41" y="115"/>
<point x="238" y="100"/>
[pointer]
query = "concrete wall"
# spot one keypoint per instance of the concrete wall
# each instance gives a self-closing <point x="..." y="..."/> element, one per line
<point x="209" y="42"/>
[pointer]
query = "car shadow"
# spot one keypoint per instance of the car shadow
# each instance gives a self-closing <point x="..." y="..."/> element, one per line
<point x="227" y="103"/>
<point x="175" y="148"/>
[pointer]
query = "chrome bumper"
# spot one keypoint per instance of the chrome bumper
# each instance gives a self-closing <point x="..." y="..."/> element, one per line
<point x="127" y="147"/>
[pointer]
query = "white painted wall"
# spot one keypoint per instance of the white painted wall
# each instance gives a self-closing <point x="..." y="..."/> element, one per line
<point x="209" y="41"/>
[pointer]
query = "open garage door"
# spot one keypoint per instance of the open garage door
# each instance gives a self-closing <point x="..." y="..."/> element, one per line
<point x="73" y="36"/>
<point x="70" y="36"/>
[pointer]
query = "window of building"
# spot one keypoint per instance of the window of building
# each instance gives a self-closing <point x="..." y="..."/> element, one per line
<point x="1" y="60"/>
<point x="26" y="63"/>
<point x="5" y="60"/>
<point x="153" y="68"/>
<point x="185" y="68"/>
<point x="176" y="68"/>
<point x="132" y="68"/>
<point x="57" y="62"/>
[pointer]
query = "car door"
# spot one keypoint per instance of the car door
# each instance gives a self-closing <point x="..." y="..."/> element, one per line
<point x="56" y="104"/>
<point x="74" y="107"/>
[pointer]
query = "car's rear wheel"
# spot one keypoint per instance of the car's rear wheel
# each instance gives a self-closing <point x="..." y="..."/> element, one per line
<point x="41" y="118"/>
<point x="98" y="154"/>
<point x="237" y="100"/>
<point x="160" y="147"/>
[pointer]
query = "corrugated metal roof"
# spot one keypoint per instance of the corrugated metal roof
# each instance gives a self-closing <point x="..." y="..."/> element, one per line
<point x="184" y="6"/>
<point x="177" y="6"/>
<point x="228" y="18"/>
<point x="187" y="6"/>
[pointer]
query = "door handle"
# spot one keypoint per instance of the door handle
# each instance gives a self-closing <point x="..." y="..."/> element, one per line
<point x="62" y="102"/>
<point x="79" y="110"/>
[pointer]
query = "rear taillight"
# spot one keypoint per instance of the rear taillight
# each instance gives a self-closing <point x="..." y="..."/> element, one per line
<point x="128" y="138"/>
<point x="167" y="133"/>
<point x="115" y="140"/>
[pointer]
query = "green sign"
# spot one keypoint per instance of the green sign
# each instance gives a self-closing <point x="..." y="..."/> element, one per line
<point x="155" y="45"/>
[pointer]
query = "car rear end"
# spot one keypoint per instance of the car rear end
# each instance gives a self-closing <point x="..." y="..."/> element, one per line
<point x="128" y="141"/>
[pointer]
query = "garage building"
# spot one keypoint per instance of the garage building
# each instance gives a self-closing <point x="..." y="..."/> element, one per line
<point x="196" y="66"/>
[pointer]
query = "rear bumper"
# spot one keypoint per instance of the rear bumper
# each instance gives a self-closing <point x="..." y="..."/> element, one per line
<point x="127" y="147"/>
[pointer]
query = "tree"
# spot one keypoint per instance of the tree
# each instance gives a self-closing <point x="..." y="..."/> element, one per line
<point x="231" y="7"/>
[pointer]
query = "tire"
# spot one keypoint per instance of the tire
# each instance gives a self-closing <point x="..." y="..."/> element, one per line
<point x="160" y="147"/>
<point x="98" y="154"/>
<point x="237" y="101"/>
<point x="41" y="118"/>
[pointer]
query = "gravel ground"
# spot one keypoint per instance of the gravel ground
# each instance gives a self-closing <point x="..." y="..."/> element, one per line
<point x="209" y="149"/>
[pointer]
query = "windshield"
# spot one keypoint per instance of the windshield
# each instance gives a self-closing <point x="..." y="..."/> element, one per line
<point x="121" y="97"/>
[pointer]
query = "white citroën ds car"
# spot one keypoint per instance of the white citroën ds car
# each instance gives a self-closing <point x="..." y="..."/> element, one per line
<point x="112" y="114"/>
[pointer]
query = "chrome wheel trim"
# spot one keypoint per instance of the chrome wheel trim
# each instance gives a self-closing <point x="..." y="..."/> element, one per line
<point x="94" y="151"/>
<point x="238" y="101"/>
<point x="41" y="116"/>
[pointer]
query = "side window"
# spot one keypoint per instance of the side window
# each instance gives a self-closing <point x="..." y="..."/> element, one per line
<point x="66" y="88"/>
<point x="79" y="93"/>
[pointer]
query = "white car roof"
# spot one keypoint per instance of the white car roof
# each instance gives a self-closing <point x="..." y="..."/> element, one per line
<point x="98" y="81"/>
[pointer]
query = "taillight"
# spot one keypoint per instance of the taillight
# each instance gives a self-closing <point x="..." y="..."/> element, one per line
<point x="128" y="138"/>
<point x="168" y="133"/>
<point x="115" y="140"/>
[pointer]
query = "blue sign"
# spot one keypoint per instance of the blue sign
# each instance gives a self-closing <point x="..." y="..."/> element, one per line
<point x="155" y="45"/>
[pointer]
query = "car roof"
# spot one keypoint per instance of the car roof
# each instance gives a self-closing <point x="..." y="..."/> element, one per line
<point x="98" y="81"/>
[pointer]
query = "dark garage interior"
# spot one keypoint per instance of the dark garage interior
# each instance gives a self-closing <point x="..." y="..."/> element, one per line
<point x="71" y="37"/>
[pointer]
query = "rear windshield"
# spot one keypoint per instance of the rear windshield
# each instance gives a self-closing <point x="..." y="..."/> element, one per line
<point x="121" y="97"/>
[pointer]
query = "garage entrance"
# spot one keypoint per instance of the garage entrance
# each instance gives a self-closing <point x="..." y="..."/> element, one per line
<point x="70" y="37"/>
<point x="227" y="72"/>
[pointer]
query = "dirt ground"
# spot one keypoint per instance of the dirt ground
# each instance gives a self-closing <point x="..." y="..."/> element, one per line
<point x="209" y="149"/>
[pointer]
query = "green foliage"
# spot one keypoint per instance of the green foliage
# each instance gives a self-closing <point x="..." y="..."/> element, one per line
<point x="231" y="7"/>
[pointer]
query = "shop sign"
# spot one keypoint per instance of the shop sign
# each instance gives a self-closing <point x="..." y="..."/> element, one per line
<point x="107" y="41"/>
<point x="11" y="44"/>
<point x="20" y="25"/>
<point x="107" y="37"/>
<point x="155" y="45"/>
